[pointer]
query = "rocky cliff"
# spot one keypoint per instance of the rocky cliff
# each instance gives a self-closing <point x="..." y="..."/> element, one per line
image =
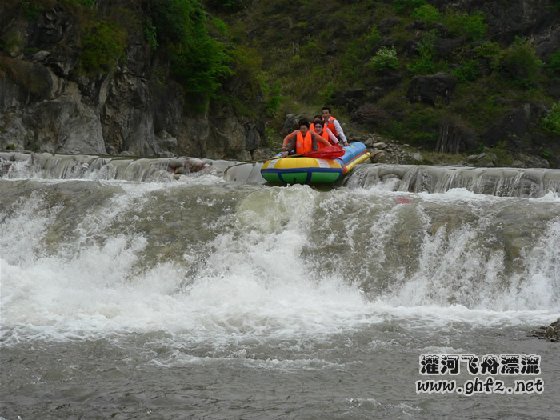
<point x="481" y="78"/>
<point x="48" y="103"/>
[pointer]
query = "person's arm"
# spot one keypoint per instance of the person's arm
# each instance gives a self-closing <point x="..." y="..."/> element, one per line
<point x="288" y="140"/>
<point x="318" y="138"/>
<point x="340" y="132"/>
<point x="332" y="137"/>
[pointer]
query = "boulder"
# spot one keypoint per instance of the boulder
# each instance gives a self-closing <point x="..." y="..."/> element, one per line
<point x="290" y="123"/>
<point x="550" y="332"/>
<point x="431" y="89"/>
<point x="370" y="114"/>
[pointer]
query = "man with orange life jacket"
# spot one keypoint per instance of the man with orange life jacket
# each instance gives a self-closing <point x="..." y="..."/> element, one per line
<point x="333" y="125"/>
<point x="302" y="140"/>
<point x="318" y="127"/>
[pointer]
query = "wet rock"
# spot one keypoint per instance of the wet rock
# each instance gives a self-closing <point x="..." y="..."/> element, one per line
<point x="4" y="166"/>
<point x="483" y="159"/>
<point x="550" y="332"/>
<point x="176" y="163"/>
<point x="377" y="156"/>
<point x="523" y="160"/>
<point x="196" y="165"/>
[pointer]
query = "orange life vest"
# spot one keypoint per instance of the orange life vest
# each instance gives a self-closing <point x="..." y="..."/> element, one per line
<point x="330" y="124"/>
<point x="325" y="135"/>
<point x="304" y="144"/>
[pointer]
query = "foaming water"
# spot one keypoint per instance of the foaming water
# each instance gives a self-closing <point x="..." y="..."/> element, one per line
<point x="212" y="264"/>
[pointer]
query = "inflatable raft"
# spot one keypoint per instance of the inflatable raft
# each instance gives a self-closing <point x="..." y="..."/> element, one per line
<point x="304" y="170"/>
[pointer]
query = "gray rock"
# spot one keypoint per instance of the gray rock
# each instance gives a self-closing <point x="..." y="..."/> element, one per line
<point x="429" y="89"/>
<point x="550" y="332"/>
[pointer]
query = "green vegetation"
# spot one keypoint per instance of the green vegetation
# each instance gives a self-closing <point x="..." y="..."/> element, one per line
<point x="552" y="121"/>
<point x="427" y="13"/>
<point x="384" y="59"/>
<point x="425" y="63"/>
<point x="102" y="46"/>
<point x="264" y="59"/>
<point x="468" y="71"/>
<point x="554" y="63"/>
<point x="471" y="26"/>
<point x="404" y="6"/>
<point x="199" y="61"/>
<point x="520" y="62"/>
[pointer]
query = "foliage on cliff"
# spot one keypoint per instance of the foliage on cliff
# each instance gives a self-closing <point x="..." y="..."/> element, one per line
<point x="365" y="58"/>
<point x="184" y="39"/>
<point x="447" y="77"/>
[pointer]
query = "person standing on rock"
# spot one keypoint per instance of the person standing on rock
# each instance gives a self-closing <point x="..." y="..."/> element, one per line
<point x="333" y="125"/>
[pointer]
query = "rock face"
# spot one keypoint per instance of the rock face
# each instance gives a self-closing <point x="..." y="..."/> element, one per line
<point x="550" y="333"/>
<point x="508" y="19"/>
<point x="429" y="89"/>
<point x="455" y="136"/>
<point x="46" y="104"/>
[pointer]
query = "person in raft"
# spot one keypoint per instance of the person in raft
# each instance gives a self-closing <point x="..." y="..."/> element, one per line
<point x="318" y="127"/>
<point x="302" y="140"/>
<point x="333" y="125"/>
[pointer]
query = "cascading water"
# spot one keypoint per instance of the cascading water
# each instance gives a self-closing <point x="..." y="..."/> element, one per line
<point x="202" y="296"/>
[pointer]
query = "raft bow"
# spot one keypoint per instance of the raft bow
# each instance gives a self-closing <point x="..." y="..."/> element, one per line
<point x="308" y="170"/>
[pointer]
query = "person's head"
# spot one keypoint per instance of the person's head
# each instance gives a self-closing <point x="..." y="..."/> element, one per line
<point x="303" y="126"/>
<point x="326" y="112"/>
<point x="318" y="125"/>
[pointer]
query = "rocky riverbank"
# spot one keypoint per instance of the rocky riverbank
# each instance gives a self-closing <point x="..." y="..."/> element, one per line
<point x="550" y="332"/>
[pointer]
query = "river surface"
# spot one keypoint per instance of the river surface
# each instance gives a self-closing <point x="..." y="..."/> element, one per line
<point x="204" y="298"/>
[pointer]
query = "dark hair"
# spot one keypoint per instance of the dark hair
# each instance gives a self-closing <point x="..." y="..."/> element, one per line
<point x="303" y="122"/>
<point x="318" y="121"/>
<point x="318" y="117"/>
<point x="327" y="108"/>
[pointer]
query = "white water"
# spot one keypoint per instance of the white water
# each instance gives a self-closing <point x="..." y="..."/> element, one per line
<point x="255" y="283"/>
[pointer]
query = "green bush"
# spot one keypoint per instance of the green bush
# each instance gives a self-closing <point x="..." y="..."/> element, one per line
<point x="199" y="61"/>
<point x="468" y="71"/>
<point x="425" y="63"/>
<point x="520" y="62"/>
<point x="490" y="52"/>
<point x="371" y="38"/>
<point x="471" y="26"/>
<point x="102" y="45"/>
<point x="150" y="34"/>
<point x="384" y="59"/>
<point x="273" y="98"/>
<point x="553" y="63"/>
<point x="403" y="6"/>
<point x="227" y="5"/>
<point x="31" y="10"/>
<point x="419" y="128"/>
<point x="427" y="13"/>
<point x="552" y="120"/>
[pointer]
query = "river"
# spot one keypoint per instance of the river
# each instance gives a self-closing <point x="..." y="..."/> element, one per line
<point x="200" y="297"/>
